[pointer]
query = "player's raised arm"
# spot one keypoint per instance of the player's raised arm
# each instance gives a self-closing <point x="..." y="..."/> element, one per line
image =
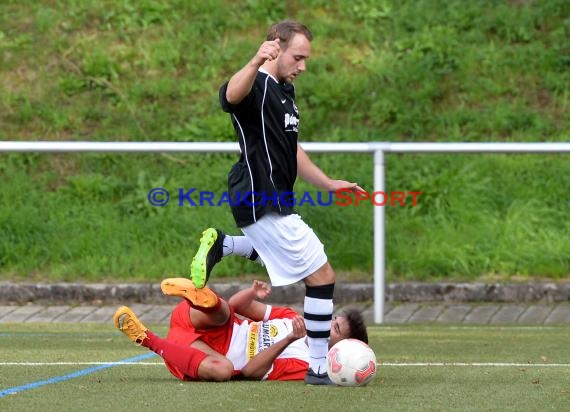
<point x="240" y="84"/>
<point x="245" y="301"/>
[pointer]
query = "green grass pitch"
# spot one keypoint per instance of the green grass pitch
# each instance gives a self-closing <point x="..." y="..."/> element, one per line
<point x="423" y="367"/>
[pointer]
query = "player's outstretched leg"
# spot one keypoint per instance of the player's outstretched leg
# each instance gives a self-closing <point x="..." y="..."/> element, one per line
<point x="214" y="245"/>
<point x="128" y="323"/>
<point x="183" y="361"/>
<point x="209" y="253"/>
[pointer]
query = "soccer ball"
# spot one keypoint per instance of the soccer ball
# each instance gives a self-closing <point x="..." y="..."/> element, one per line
<point x="351" y="362"/>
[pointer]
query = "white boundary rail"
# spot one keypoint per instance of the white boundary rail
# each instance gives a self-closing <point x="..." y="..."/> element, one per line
<point x="378" y="149"/>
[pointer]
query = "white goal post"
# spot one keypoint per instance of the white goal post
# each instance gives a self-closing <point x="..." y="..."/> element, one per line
<point x="377" y="149"/>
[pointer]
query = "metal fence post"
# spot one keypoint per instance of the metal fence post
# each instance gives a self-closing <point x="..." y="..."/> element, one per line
<point x="379" y="236"/>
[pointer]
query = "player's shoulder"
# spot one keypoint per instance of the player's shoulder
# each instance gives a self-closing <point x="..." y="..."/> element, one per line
<point x="266" y="78"/>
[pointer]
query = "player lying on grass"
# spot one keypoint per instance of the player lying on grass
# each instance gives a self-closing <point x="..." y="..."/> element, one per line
<point x="207" y="340"/>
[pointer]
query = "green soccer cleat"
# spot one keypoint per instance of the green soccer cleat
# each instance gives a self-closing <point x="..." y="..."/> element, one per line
<point x="209" y="253"/>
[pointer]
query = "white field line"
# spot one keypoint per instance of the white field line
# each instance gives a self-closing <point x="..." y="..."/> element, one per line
<point x="402" y="328"/>
<point x="477" y="364"/>
<point x="389" y="364"/>
<point x="79" y="363"/>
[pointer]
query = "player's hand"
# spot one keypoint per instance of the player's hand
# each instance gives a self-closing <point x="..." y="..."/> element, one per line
<point x="299" y="329"/>
<point x="261" y="289"/>
<point x="269" y="50"/>
<point x="343" y="184"/>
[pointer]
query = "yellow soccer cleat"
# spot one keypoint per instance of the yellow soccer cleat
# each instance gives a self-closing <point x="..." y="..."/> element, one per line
<point x="128" y="323"/>
<point x="185" y="288"/>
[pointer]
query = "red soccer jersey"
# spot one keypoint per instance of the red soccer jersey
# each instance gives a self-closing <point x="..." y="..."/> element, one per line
<point x="240" y="340"/>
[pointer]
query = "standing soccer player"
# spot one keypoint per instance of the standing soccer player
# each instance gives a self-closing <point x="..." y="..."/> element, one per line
<point x="260" y="98"/>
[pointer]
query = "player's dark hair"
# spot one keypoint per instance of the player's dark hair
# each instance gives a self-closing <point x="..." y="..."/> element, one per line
<point x="286" y="29"/>
<point x="356" y="324"/>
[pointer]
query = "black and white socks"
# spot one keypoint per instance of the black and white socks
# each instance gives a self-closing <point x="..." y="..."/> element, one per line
<point x="318" y="314"/>
<point x="241" y="246"/>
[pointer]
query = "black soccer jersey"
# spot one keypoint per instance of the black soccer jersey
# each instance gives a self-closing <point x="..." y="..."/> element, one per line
<point x="266" y="122"/>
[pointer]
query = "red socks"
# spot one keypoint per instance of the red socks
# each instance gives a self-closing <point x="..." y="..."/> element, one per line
<point x="185" y="358"/>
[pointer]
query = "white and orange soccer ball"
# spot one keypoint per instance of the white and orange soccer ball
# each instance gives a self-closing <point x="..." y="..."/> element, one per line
<point x="351" y="362"/>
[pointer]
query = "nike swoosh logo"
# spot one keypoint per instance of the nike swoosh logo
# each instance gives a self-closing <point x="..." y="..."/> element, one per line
<point x="283" y="101"/>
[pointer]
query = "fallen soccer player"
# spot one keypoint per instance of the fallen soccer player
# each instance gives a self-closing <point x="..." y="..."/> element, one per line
<point x="208" y="341"/>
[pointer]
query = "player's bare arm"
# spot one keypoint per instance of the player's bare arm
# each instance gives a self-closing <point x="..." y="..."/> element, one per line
<point x="311" y="173"/>
<point x="246" y="301"/>
<point x="260" y="364"/>
<point x="240" y="84"/>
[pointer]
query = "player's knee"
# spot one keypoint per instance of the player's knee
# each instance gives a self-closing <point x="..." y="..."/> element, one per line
<point x="225" y="370"/>
<point x="217" y="369"/>
<point x="324" y="276"/>
<point x="330" y="275"/>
